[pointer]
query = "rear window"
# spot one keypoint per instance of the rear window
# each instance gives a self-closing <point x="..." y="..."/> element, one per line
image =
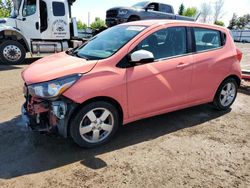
<point x="207" y="39"/>
<point x="58" y="9"/>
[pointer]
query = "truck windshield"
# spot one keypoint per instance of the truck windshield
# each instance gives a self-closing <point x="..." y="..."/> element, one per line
<point x="108" y="42"/>
<point x="141" y="4"/>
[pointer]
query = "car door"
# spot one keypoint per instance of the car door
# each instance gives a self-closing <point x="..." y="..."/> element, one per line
<point x="164" y="83"/>
<point x="210" y="63"/>
<point x="152" y="11"/>
<point x="165" y="12"/>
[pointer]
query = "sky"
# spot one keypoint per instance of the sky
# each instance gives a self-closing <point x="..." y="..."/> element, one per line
<point x="97" y="8"/>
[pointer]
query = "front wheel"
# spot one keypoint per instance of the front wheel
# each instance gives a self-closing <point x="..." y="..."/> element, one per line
<point x="94" y="124"/>
<point x="226" y="94"/>
<point x="133" y="18"/>
<point x="12" y="52"/>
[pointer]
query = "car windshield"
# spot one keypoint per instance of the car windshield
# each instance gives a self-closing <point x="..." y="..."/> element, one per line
<point x="108" y="42"/>
<point x="141" y="4"/>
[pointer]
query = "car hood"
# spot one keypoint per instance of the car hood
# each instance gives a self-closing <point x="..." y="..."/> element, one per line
<point x="56" y="66"/>
<point x="123" y="8"/>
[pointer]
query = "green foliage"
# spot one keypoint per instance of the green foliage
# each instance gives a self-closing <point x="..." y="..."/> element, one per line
<point x="233" y="21"/>
<point x="181" y="9"/>
<point x="81" y="25"/>
<point x="220" y="23"/>
<point x="239" y="22"/>
<point x="190" y="12"/>
<point x="5" y="8"/>
<point x="98" y="24"/>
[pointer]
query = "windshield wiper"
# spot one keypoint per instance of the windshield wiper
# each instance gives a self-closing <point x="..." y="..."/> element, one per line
<point x="80" y="56"/>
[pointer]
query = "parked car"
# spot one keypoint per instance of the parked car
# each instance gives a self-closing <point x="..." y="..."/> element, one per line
<point x="142" y="11"/>
<point x="130" y="72"/>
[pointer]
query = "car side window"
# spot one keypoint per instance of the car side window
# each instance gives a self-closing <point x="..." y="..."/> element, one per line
<point x="207" y="39"/>
<point x="29" y="7"/>
<point x="153" y="6"/>
<point x="165" y="43"/>
<point x="166" y="8"/>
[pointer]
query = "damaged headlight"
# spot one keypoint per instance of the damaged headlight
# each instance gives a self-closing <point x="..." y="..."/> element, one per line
<point x="53" y="88"/>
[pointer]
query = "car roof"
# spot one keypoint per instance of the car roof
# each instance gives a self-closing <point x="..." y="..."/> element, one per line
<point x="155" y="23"/>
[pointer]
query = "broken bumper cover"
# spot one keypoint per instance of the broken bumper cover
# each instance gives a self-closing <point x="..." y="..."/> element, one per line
<point x="48" y="116"/>
<point x="25" y="117"/>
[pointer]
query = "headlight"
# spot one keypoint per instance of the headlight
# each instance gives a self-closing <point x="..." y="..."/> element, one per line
<point x="53" y="88"/>
<point x="122" y="12"/>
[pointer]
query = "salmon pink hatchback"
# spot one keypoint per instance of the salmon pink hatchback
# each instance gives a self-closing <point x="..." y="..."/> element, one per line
<point x="130" y="72"/>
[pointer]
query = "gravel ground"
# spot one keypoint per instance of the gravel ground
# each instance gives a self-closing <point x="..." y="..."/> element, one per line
<point x="195" y="147"/>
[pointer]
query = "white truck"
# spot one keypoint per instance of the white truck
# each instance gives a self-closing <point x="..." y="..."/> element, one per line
<point x="36" y="26"/>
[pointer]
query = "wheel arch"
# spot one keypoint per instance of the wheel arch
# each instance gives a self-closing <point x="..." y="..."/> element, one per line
<point x="10" y="34"/>
<point x="235" y="77"/>
<point x="134" y="16"/>
<point x="95" y="99"/>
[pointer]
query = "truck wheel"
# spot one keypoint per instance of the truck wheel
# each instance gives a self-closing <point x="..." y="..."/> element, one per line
<point x="226" y="94"/>
<point x="12" y="52"/>
<point x="94" y="124"/>
<point x="133" y="18"/>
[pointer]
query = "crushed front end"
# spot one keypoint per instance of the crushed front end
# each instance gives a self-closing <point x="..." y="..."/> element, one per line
<point x="45" y="108"/>
<point x="47" y="116"/>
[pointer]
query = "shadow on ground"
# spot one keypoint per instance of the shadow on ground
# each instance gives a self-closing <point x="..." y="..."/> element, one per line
<point x="245" y="88"/>
<point x="23" y="152"/>
<point x="5" y="67"/>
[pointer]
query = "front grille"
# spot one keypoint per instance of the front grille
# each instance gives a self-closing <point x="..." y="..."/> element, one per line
<point x="111" y="13"/>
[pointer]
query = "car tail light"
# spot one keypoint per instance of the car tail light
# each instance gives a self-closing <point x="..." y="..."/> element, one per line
<point x="239" y="54"/>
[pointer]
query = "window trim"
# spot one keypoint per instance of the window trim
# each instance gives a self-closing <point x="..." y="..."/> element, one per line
<point x="124" y="62"/>
<point x="194" y="42"/>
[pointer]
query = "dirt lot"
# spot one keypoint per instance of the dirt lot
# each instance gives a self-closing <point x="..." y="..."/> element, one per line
<point x="195" y="147"/>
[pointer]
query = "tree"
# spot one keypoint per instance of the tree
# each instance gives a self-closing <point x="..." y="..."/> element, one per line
<point x="233" y="22"/>
<point x="242" y="22"/>
<point x="218" y="10"/>
<point x="81" y="25"/>
<point x="220" y="23"/>
<point x="190" y="12"/>
<point x="181" y="9"/>
<point x="239" y="22"/>
<point x="206" y="11"/>
<point x="5" y="8"/>
<point x="97" y="24"/>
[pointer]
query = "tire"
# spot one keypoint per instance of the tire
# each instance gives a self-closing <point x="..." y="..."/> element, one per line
<point x="226" y="94"/>
<point x="12" y="52"/>
<point x="86" y="127"/>
<point x="133" y="18"/>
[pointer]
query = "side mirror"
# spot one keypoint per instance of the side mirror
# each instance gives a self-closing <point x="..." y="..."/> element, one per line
<point x="141" y="56"/>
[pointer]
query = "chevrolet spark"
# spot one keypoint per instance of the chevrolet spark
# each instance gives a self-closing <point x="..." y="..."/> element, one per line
<point x="129" y="72"/>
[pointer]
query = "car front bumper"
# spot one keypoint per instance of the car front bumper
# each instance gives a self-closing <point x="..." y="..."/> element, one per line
<point x="48" y="116"/>
<point x="115" y="21"/>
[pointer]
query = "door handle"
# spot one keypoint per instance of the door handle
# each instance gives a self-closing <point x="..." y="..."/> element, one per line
<point x="37" y="25"/>
<point x="182" y="65"/>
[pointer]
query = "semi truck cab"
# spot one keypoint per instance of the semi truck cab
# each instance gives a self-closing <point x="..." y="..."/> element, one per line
<point x="36" y="26"/>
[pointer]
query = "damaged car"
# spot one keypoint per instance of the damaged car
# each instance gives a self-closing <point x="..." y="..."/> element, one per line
<point x="129" y="72"/>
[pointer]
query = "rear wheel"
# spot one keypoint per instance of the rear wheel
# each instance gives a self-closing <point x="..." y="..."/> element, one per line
<point x="94" y="124"/>
<point x="12" y="52"/>
<point x="226" y="94"/>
